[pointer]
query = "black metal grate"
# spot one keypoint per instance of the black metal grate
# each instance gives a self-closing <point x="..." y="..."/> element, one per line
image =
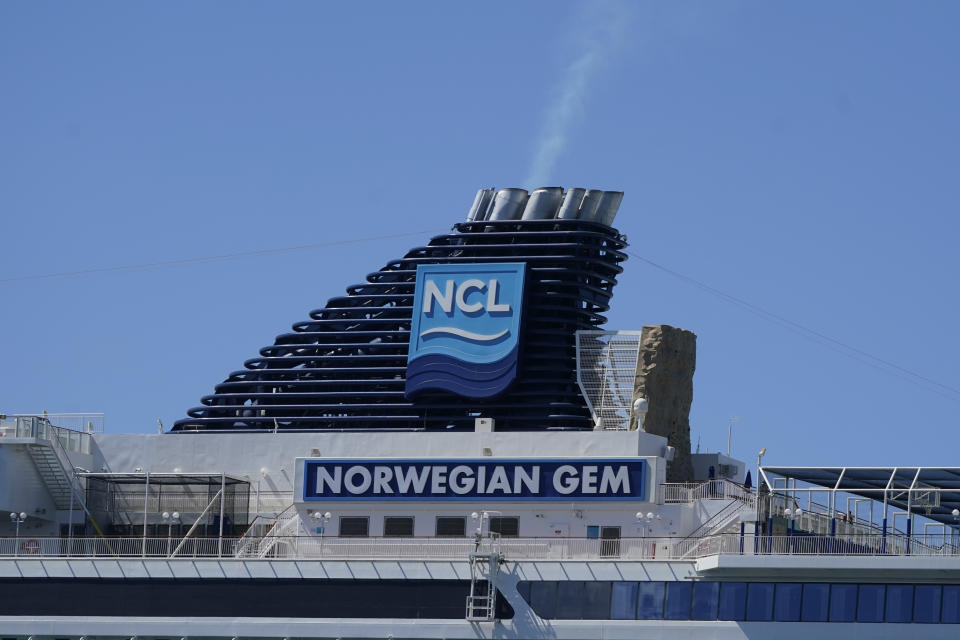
<point x="344" y="368"/>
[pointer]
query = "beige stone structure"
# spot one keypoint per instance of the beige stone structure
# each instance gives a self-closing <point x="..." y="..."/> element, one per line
<point x="668" y="359"/>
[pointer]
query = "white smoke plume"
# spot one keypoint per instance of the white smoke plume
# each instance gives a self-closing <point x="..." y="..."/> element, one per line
<point x="601" y="26"/>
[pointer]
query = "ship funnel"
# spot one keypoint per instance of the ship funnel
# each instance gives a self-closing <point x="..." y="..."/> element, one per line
<point x="570" y="210"/>
<point x="481" y="204"/>
<point x="609" y="204"/>
<point x="590" y="205"/>
<point x="508" y="204"/>
<point x="543" y="203"/>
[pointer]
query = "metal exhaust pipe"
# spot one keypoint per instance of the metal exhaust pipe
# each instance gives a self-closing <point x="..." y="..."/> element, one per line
<point x="508" y="204"/>
<point x="609" y="205"/>
<point x="543" y="203"/>
<point x="590" y="205"/>
<point x="481" y="204"/>
<point x="570" y="209"/>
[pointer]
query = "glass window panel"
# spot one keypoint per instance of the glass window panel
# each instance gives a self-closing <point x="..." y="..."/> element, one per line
<point x="926" y="603"/>
<point x="870" y="603"/>
<point x="950" y="611"/>
<point x="623" y="601"/>
<point x="816" y="602"/>
<point x="451" y="527"/>
<point x="733" y="601"/>
<point x="506" y="527"/>
<point x="543" y="599"/>
<point x="570" y="600"/>
<point x="352" y="527"/>
<point x="596" y="600"/>
<point x="398" y="526"/>
<point x="899" y="603"/>
<point x="678" y="601"/>
<point x="786" y="602"/>
<point x="705" y="599"/>
<point x="650" y="600"/>
<point x="843" y="603"/>
<point x="760" y="601"/>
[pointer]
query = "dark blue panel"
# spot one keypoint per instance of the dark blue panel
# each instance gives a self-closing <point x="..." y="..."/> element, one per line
<point x="678" y="601"/>
<point x="950" y="611"/>
<point x="570" y="600"/>
<point x="843" y="603"/>
<point x="733" y="601"/>
<point x="706" y="597"/>
<point x="926" y="603"/>
<point x="623" y="601"/>
<point x="870" y="603"/>
<point x="760" y="601"/>
<point x="596" y="600"/>
<point x="816" y="602"/>
<point x="346" y="367"/>
<point x="650" y="600"/>
<point x="543" y="599"/>
<point x="463" y="479"/>
<point x="899" y="603"/>
<point x="786" y="603"/>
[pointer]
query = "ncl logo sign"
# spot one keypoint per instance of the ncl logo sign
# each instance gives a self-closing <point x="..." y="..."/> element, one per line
<point x="465" y="333"/>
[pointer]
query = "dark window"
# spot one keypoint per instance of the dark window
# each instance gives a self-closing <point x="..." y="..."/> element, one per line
<point x="353" y="527"/>
<point x="569" y="600"/>
<point x="623" y="601"/>
<point x="705" y="597"/>
<point x="506" y="527"/>
<point x="870" y="605"/>
<point x="950" y="613"/>
<point x="899" y="603"/>
<point x="678" y="601"/>
<point x="596" y="600"/>
<point x="760" y="601"/>
<point x="816" y="603"/>
<point x="843" y="603"/>
<point x="398" y="526"/>
<point x="451" y="527"/>
<point x="543" y="599"/>
<point x="733" y="601"/>
<point x="786" y="602"/>
<point x="650" y="601"/>
<point x="926" y="603"/>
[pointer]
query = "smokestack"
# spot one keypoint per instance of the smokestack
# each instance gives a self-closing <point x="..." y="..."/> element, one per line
<point x="508" y="204"/>
<point x="481" y="204"/>
<point x="609" y="204"/>
<point x="543" y="203"/>
<point x="570" y="210"/>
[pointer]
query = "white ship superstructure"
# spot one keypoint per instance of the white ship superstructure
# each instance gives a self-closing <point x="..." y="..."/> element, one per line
<point x="456" y="449"/>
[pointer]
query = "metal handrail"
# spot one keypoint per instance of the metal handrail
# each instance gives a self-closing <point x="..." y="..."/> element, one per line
<point x="305" y="547"/>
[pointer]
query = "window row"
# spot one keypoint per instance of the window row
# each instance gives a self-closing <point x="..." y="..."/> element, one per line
<point x="445" y="527"/>
<point x="752" y="601"/>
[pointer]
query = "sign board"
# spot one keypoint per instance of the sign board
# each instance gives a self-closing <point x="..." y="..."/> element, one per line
<point x="473" y="479"/>
<point x="465" y="328"/>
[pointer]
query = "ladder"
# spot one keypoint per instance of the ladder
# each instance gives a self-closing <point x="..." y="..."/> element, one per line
<point x="482" y="601"/>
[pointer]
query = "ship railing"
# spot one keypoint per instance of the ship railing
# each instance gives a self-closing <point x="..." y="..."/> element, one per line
<point x="716" y="489"/>
<point x="27" y="548"/>
<point x="304" y="547"/>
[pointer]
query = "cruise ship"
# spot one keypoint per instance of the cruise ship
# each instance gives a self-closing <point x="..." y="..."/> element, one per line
<point x="458" y="447"/>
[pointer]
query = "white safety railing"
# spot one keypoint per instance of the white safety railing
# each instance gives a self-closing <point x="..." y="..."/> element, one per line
<point x="717" y="489"/>
<point x="27" y="547"/>
<point x="333" y="548"/>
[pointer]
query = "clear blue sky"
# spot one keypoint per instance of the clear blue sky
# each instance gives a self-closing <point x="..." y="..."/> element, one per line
<point x="801" y="157"/>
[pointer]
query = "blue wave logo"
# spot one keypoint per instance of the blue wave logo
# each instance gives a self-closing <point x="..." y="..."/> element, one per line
<point x="465" y="330"/>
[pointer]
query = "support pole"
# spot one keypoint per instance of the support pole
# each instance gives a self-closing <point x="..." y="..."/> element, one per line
<point x="146" y="499"/>
<point x="70" y="525"/>
<point x="223" y="493"/>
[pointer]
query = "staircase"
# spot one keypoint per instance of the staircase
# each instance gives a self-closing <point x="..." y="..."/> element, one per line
<point x="482" y="601"/>
<point x="53" y="464"/>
